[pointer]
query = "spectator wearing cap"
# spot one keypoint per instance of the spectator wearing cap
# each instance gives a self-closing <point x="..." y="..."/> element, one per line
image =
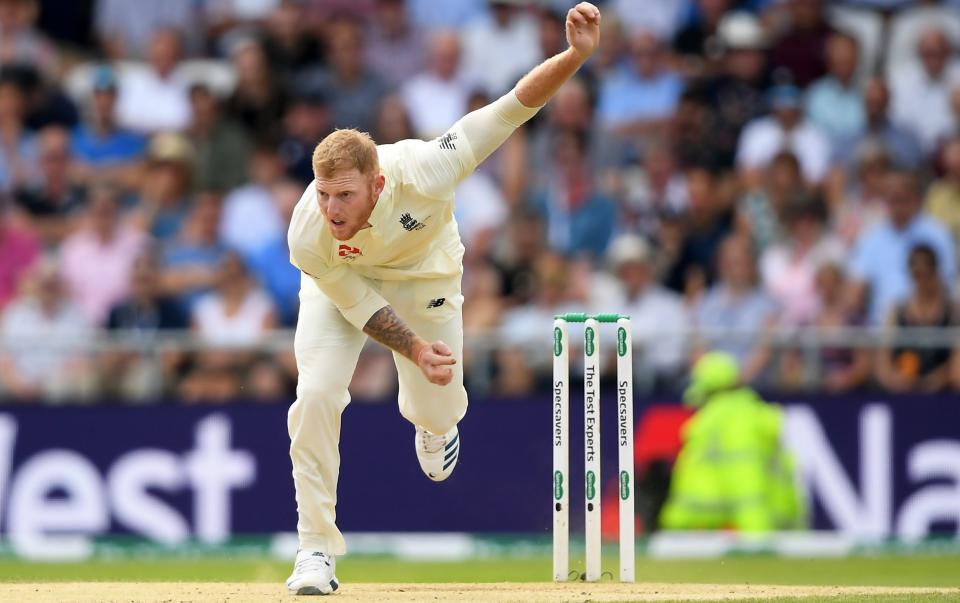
<point x="165" y="185"/>
<point x="19" y="249"/>
<point x="879" y="264"/>
<point x="834" y="102"/>
<point x="222" y="147"/>
<point x="735" y="314"/>
<point x="879" y="130"/>
<point x="943" y="197"/>
<point x="18" y="149"/>
<point x="658" y="316"/>
<point x="96" y="260"/>
<point x="396" y="49"/>
<point x="355" y="91"/>
<point x="788" y="268"/>
<point x="784" y="129"/>
<point x="436" y="98"/>
<point x="801" y="49"/>
<point x="153" y="97"/>
<point x="53" y="199"/>
<point x="104" y="150"/>
<point x="736" y="94"/>
<point x="190" y="260"/>
<point x="250" y="214"/>
<point x="307" y="120"/>
<point x="639" y="98"/>
<point x="500" y="46"/>
<point x="921" y="91"/>
<point x="258" y="101"/>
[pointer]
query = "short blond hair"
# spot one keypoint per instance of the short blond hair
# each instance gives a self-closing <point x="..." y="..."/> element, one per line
<point x="344" y="150"/>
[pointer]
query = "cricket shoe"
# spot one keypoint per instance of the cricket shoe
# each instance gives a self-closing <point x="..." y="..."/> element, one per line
<point x="437" y="454"/>
<point x="313" y="574"/>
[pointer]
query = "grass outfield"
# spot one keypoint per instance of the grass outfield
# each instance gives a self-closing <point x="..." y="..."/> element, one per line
<point x="916" y="571"/>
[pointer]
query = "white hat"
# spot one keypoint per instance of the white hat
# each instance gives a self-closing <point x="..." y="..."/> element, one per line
<point x="741" y="30"/>
<point x="628" y="248"/>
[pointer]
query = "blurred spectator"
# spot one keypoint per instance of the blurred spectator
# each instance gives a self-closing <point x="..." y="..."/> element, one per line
<point x="145" y="311"/>
<point x="210" y="378"/>
<point x="784" y="128"/>
<point x="902" y="367"/>
<point x="580" y="218"/>
<point x="705" y="225"/>
<point x="802" y="48"/>
<point x="223" y="16"/>
<point x="658" y="317"/>
<point x="126" y="29"/>
<point x="695" y="38"/>
<point x="864" y="204"/>
<point x="18" y="151"/>
<point x="480" y="212"/>
<point x="637" y="99"/>
<point x="266" y="382"/>
<point x="20" y="42"/>
<point x="97" y="259"/>
<point x="44" y="314"/>
<point x="879" y="263"/>
<point x="104" y="150"/>
<point x="437" y="98"/>
<point x="760" y="211"/>
<point x="190" y="261"/>
<point x="943" y="196"/>
<point x="70" y="26"/>
<point x="434" y="15"/>
<point x="236" y="312"/>
<point x="253" y="203"/>
<point x="19" y="249"/>
<point x="736" y="93"/>
<point x="842" y="368"/>
<point x="735" y="312"/>
<point x="306" y="122"/>
<point x="258" y="101"/>
<point x="500" y="47"/>
<point x="879" y="130"/>
<point x="271" y="262"/>
<point x="653" y="191"/>
<point x="355" y="91"/>
<point x="288" y="42"/>
<point x="483" y="302"/>
<point x="788" y="268"/>
<point x="222" y="147"/>
<point x="52" y="201"/>
<point x="152" y="95"/>
<point x="921" y="91"/>
<point x="516" y="256"/>
<point x="393" y="122"/>
<point x="834" y="102"/>
<point x="396" y="50"/>
<point x="695" y="134"/>
<point x="908" y="25"/>
<point x="163" y="195"/>
<point x="663" y="18"/>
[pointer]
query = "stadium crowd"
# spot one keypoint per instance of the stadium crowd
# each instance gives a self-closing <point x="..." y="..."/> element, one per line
<point x="756" y="166"/>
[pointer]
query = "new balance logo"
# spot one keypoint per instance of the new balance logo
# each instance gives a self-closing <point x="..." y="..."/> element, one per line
<point x="410" y="224"/>
<point x="436" y="303"/>
<point x="446" y="142"/>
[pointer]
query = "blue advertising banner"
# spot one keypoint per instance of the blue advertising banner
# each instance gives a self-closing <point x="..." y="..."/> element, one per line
<point x="874" y="467"/>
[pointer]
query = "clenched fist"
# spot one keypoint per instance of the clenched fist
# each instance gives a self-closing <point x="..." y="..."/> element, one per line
<point x="583" y="29"/>
<point x="434" y="360"/>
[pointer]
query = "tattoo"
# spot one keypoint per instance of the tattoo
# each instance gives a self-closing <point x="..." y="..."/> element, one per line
<point x="387" y="328"/>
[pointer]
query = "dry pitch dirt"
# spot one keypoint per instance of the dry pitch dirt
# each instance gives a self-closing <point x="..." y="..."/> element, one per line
<point x="182" y="592"/>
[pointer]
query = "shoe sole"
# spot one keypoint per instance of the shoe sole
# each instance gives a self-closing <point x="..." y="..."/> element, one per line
<point x="313" y="590"/>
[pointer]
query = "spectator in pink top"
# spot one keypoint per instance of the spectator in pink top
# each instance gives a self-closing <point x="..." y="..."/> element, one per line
<point x="97" y="259"/>
<point x="19" y="248"/>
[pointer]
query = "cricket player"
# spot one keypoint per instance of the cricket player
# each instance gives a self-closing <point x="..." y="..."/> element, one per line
<point x="377" y="244"/>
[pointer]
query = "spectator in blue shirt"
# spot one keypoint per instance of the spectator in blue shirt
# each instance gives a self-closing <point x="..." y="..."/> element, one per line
<point x="190" y="261"/>
<point x="271" y="264"/>
<point x="100" y="146"/>
<point x="879" y="262"/>
<point x="834" y="102"/>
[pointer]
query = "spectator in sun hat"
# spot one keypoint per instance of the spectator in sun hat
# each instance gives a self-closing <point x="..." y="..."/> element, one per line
<point x="165" y="186"/>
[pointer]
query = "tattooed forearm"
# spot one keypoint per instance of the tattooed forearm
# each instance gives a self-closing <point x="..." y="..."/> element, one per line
<point x="387" y="328"/>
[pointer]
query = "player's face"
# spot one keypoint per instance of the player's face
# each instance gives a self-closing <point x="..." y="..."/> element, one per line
<point x="347" y="200"/>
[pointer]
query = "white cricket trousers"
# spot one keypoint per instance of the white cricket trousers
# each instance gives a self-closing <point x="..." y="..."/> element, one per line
<point x="327" y="348"/>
